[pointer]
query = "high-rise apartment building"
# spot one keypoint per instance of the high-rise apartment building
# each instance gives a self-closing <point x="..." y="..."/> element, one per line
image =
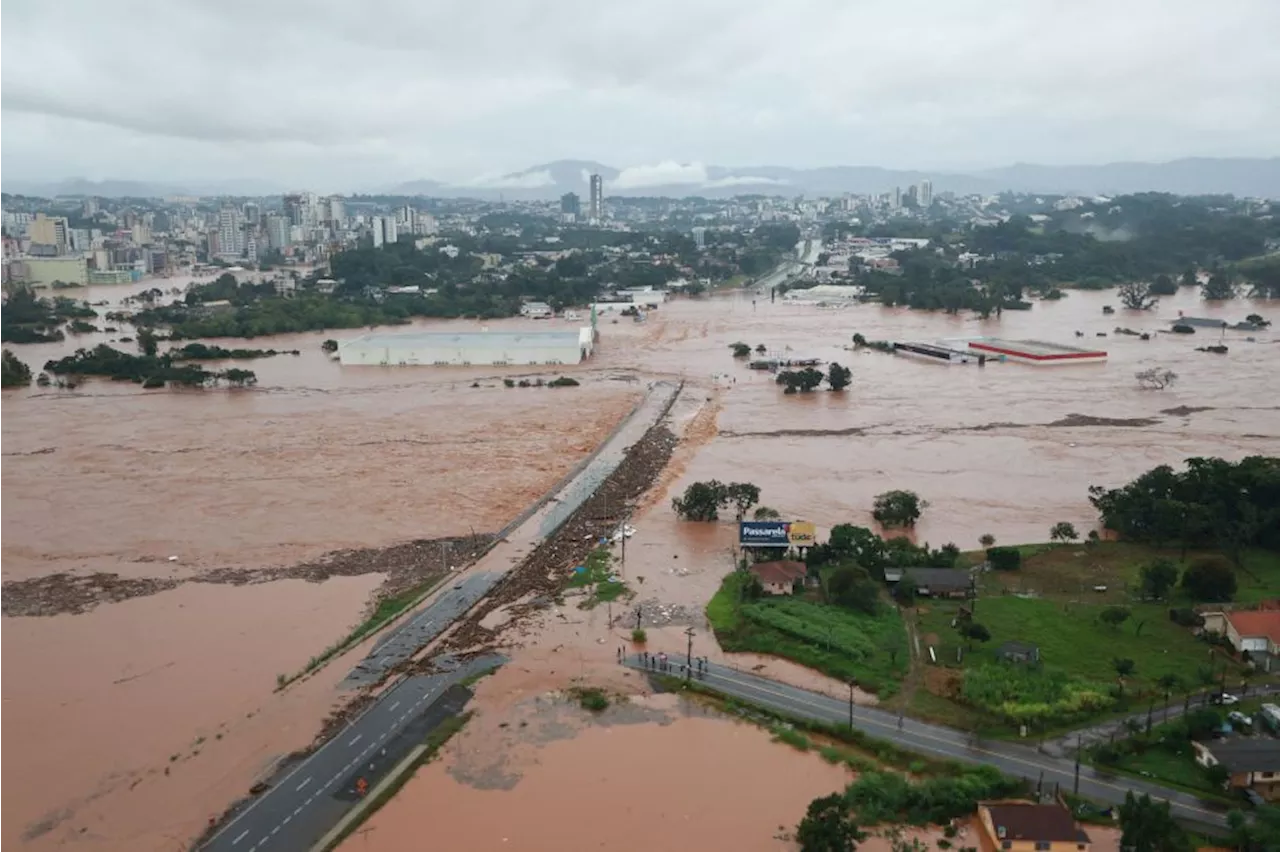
<point x="375" y="230"/>
<point x="595" y="204"/>
<point x="924" y="194"/>
<point x="252" y="214"/>
<point x="570" y="204"/>
<point x="48" y="231"/>
<point x="700" y="237"/>
<point x="337" y="212"/>
<point x="277" y="231"/>
<point x="390" y="232"/>
<point x="230" y="234"/>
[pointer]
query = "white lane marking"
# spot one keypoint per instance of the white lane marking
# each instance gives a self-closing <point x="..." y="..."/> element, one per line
<point x="297" y="810"/>
<point x="394" y="706"/>
<point x="276" y="830"/>
<point x="240" y="837"/>
<point x="355" y="740"/>
<point x="285" y="821"/>
<point x="305" y="783"/>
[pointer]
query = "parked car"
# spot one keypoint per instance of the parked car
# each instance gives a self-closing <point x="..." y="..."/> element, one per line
<point x="1226" y="699"/>
<point x="1239" y="719"/>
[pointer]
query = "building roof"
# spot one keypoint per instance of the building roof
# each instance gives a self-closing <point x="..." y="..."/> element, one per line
<point x="1260" y="622"/>
<point x="939" y="578"/>
<point x="1247" y="754"/>
<point x="1022" y="821"/>
<point x="504" y="339"/>
<point x="780" y="573"/>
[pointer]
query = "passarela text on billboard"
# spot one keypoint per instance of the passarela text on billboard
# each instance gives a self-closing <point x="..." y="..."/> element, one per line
<point x="776" y="534"/>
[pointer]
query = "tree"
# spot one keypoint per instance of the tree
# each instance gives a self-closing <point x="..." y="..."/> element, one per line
<point x="1063" y="531"/>
<point x="1188" y="278"/>
<point x="1114" y="616"/>
<point x="1169" y="683"/>
<point x="1158" y="578"/>
<point x="740" y="349"/>
<point x="898" y="508"/>
<point x="14" y="373"/>
<point x="1163" y="285"/>
<point x="1136" y="296"/>
<point x="838" y="377"/>
<point x="239" y="378"/>
<point x="148" y="342"/>
<point x="1217" y="288"/>
<point x="330" y="345"/>
<point x="1210" y="579"/>
<point x="1124" y="667"/>
<point x="743" y="495"/>
<point x="973" y="631"/>
<point x="1201" y="722"/>
<point x="1147" y="826"/>
<point x="1262" y="834"/>
<point x="986" y="540"/>
<point x="765" y="513"/>
<point x="1155" y="378"/>
<point x="828" y="827"/>
<point x="850" y="586"/>
<point x="701" y="501"/>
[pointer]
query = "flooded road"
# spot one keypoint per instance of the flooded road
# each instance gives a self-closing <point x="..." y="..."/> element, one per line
<point x="659" y="774"/>
<point x="320" y="457"/>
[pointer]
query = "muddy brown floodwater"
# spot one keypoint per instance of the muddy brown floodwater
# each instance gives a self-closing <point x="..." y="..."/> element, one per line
<point x="655" y="774"/>
<point x="110" y="479"/>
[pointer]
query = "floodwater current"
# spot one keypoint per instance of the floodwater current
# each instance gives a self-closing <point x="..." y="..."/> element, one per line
<point x="131" y="724"/>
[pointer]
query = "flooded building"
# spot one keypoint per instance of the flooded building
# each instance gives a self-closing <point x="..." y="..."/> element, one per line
<point x="462" y="349"/>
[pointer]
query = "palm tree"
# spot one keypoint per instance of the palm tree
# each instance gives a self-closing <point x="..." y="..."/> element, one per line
<point x="1169" y="683"/>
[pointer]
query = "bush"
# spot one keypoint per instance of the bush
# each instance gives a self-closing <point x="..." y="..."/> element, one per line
<point x="883" y="797"/>
<point x="563" y="382"/>
<point x="1029" y="695"/>
<point x="509" y="382"/>
<point x="593" y="699"/>
<point x="14" y="373"/>
<point x="1210" y="579"/>
<point x="1186" y="617"/>
<point x="639" y="636"/>
<point x="740" y="349"/>
<point x="1004" y="558"/>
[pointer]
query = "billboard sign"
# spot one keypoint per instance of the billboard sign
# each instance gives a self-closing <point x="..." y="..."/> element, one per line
<point x="776" y="534"/>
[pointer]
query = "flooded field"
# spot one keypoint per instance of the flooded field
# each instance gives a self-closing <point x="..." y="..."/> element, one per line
<point x="110" y="478"/>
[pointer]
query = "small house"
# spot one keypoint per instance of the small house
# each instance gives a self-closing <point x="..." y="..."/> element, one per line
<point x="1024" y="827"/>
<point x="1018" y="652"/>
<point x="1254" y="763"/>
<point x="779" y="578"/>
<point x="1255" y="632"/>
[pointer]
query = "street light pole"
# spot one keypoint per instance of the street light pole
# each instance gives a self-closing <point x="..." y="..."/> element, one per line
<point x="1076" y="789"/>
<point x="851" y="685"/>
<point x="688" y="668"/>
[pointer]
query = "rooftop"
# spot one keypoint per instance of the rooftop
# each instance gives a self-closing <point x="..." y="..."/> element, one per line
<point x="779" y="573"/>
<point x="1257" y="623"/>
<point x="1247" y="754"/>
<point x="507" y="339"/>
<point x="939" y="578"/>
<point x="1048" y="823"/>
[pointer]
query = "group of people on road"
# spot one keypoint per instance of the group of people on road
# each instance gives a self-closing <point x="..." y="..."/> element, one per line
<point x="662" y="663"/>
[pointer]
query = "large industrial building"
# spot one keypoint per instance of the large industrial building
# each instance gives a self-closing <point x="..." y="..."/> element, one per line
<point x="461" y="349"/>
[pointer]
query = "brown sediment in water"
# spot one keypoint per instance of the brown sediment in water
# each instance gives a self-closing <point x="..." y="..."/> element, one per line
<point x="404" y="566"/>
<point x="323" y="458"/>
<point x="546" y="775"/>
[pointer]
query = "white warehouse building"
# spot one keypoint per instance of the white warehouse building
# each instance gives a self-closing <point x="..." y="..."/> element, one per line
<point x="461" y="349"/>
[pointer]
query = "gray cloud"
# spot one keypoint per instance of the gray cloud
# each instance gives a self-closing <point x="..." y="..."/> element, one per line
<point x="340" y="95"/>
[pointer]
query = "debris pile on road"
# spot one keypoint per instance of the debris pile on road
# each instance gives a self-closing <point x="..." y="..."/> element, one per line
<point x="544" y="572"/>
<point x="406" y="565"/>
<point x="655" y="613"/>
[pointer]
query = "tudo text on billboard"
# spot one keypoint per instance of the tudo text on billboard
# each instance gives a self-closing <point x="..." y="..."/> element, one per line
<point x="776" y="534"/>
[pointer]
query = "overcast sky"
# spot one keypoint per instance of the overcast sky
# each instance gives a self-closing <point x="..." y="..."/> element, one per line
<point x="343" y="95"/>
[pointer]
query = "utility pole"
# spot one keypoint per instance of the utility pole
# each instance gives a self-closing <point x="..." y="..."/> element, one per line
<point x="852" y="683"/>
<point x="637" y="618"/>
<point x="625" y="518"/>
<point x="1076" y="789"/>
<point x="688" y="668"/>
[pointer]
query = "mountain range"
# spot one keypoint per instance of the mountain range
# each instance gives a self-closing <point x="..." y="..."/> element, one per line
<point x="1246" y="177"/>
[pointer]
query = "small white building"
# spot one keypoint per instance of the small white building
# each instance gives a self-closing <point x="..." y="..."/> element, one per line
<point x="536" y="310"/>
<point x="461" y="349"/>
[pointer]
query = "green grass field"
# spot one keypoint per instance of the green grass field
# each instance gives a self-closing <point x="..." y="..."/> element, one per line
<point x="836" y="641"/>
<point x="596" y="579"/>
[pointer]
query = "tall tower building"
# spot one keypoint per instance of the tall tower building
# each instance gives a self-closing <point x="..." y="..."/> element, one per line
<point x="230" y="236"/>
<point x="390" y="232"/>
<point x="375" y="230"/>
<point x="252" y="213"/>
<point x="277" y="231"/>
<point x="337" y="212"/>
<point x="570" y="204"/>
<point x="49" y="231"/>
<point x="595" y="205"/>
<point x="924" y="194"/>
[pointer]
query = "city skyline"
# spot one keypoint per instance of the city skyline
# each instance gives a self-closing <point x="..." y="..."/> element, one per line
<point x="976" y="85"/>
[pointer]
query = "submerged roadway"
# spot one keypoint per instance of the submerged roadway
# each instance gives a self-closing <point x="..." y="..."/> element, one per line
<point x="938" y="741"/>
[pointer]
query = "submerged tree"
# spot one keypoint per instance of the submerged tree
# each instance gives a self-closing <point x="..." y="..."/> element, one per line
<point x="1136" y="296"/>
<point x="898" y="508"/>
<point x="1156" y="378"/>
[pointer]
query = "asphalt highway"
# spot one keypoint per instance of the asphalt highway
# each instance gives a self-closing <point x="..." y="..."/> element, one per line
<point x="938" y="741"/>
<point x="415" y="634"/>
<point x="308" y="799"/>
